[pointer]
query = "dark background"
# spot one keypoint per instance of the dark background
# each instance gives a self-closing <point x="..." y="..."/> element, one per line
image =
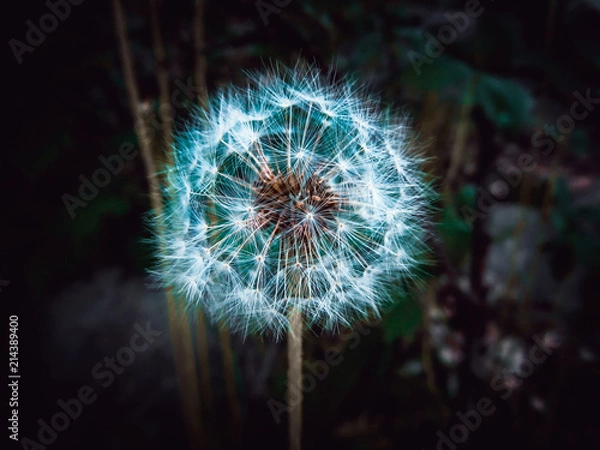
<point x="527" y="266"/>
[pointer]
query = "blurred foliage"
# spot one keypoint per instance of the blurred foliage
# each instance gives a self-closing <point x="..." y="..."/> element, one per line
<point x="404" y="319"/>
<point x="512" y="73"/>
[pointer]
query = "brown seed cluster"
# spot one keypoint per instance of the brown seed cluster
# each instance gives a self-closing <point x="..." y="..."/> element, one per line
<point x="296" y="207"/>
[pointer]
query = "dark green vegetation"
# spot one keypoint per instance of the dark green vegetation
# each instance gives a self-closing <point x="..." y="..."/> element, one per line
<point x="505" y="97"/>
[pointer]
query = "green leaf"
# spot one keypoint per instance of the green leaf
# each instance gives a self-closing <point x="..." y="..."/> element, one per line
<point x="505" y="102"/>
<point x="441" y="73"/>
<point x="467" y="196"/>
<point x="453" y="229"/>
<point x="404" y="320"/>
<point x="562" y="195"/>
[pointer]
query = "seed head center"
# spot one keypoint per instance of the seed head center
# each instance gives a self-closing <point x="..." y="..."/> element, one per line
<point x="295" y="205"/>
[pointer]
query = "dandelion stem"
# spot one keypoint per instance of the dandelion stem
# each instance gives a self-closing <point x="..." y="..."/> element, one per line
<point x="200" y="68"/>
<point x="135" y="104"/>
<point x="228" y="363"/>
<point x="203" y="362"/>
<point x="295" y="377"/>
<point x="185" y="366"/>
<point x="200" y="49"/>
<point x="462" y="133"/>
<point x="178" y="323"/>
<point x="162" y="77"/>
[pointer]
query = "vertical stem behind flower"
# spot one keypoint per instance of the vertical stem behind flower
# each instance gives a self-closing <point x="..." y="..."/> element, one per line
<point x="229" y="367"/>
<point x="427" y="302"/>
<point x="200" y="49"/>
<point x="200" y="69"/>
<point x="524" y="311"/>
<point x="162" y="77"/>
<point x="167" y="126"/>
<point x="204" y="362"/>
<point x="135" y="104"/>
<point x="462" y="133"/>
<point x="178" y="323"/>
<point x="185" y="366"/>
<point x="295" y="377"/>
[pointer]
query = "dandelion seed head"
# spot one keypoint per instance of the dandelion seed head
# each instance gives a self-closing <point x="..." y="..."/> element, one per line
<point x="294" y="191"/>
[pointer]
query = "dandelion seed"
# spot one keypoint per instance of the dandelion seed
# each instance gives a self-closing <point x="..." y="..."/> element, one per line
<point x="293" y="192"/>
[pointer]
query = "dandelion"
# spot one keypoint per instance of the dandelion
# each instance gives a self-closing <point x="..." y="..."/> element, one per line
<point x="295" y="192"/>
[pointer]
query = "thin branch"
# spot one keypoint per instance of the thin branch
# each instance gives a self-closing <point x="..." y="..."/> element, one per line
<point x="185" y="365"/>
<point x="178" y="322"/>
<point x="135" y="105"/>
<point x="462" y="133"/>
<point x="427" y="302"/>
<point x="200" y="69"/>
<point x="162" y="76"/>
<point x="229" y="366"/>
<point x="203" y="361"/>
<point x="200" y="50"/>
